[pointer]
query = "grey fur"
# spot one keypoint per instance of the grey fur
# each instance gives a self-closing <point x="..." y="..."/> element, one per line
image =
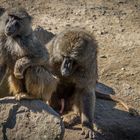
<point x="24" y="57"/>
<point x="81" y="47"/>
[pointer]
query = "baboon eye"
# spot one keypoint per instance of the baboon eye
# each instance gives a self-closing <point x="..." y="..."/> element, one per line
<point x="15" y="17"/>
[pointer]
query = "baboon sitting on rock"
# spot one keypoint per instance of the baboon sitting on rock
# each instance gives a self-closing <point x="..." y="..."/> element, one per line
<point x="24" y="58"/>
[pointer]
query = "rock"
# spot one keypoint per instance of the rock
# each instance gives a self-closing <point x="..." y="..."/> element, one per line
<point x="29" y="119"/>
<point x="123" y="69"/>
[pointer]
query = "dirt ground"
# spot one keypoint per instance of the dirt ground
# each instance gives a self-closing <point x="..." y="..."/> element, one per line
<point x="116" y="26"/>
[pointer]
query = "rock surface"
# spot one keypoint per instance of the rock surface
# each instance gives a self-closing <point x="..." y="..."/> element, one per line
<point x="29" y="120"/>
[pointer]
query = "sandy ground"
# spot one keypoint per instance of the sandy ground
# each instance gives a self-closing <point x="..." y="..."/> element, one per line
<point x="116" y="26"/>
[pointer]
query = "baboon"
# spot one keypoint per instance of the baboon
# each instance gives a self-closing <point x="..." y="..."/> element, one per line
<point x="73" y="59"/>
<point x="24" y="57"/>
<point x="63" y="103"/>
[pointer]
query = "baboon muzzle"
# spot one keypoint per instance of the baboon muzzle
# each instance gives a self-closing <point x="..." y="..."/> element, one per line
<point x="67" y="67"/>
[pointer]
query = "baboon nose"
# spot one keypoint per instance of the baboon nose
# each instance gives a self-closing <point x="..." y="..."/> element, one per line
<point x="10" y="30"/>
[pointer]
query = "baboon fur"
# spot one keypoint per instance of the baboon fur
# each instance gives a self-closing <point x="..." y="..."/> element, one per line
<point x="24" y="58"/>
<point x="73" y="59"/>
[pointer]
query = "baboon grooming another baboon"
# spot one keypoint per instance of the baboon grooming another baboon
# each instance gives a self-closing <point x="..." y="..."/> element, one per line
<point x="73" y="58"/>
<point x="23" y="56"/>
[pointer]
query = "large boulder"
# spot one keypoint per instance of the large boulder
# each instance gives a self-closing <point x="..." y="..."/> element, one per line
<point x="29" y="120"/>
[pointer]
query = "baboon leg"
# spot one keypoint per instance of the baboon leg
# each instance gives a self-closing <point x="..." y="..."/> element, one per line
<point x="87" y="108"/>
<point x="54" y="102"/>
<point x="70" y="119"/>
<point x="2" y="72"/>
<point x="15" y="85"/>
<point x="17" y="88"/>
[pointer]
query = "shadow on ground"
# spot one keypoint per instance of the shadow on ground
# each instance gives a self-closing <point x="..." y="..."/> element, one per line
<point x="110" y="124"/>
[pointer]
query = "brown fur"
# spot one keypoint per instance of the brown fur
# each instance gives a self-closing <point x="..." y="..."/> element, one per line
<point x="25" y="58"/>
<point x="79" y="85"/>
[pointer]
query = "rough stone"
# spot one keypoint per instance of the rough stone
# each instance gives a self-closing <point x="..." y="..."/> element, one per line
<point x="29" y="120"/>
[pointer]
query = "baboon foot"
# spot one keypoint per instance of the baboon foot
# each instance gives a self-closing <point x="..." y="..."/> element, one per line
<point x="23" y="95"/>
<point x="87" y="133"/>
<point x="70" y="119"/>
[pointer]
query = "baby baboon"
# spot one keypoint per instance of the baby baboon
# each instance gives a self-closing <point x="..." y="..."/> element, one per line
<point x="73" y="58"/>
<point x="22" y="54"/>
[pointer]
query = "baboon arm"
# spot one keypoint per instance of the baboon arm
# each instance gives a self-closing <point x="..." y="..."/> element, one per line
<point x="87" y="103"/>
<point x="25" y="62"/>
<point x="2" y="72"/>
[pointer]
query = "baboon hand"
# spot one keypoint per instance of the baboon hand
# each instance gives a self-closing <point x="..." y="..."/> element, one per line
<point x="23" y="95"/>
<point x="88" y="133"/>
<point x="18" y="70"/>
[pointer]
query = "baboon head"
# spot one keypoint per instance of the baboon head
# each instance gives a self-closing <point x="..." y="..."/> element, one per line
<point x="73" y="49"/>
<point x="17" y="22"/>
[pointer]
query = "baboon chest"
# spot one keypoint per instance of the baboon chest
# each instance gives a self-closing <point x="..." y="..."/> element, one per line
<point x="14" y="52"/>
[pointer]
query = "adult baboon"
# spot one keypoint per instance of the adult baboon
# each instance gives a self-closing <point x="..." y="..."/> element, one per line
<point x="24" y="57"/>
<point x="73" y="58"/>
<point x="64" y="103"/>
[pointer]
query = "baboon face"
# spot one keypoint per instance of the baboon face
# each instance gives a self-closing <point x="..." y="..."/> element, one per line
<point x="68" y="66"/>
<point x="73" y="51"/>
<point x="17" y="23"/>
<point x="71" y="54"/>
<point x="12" y="27"/>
